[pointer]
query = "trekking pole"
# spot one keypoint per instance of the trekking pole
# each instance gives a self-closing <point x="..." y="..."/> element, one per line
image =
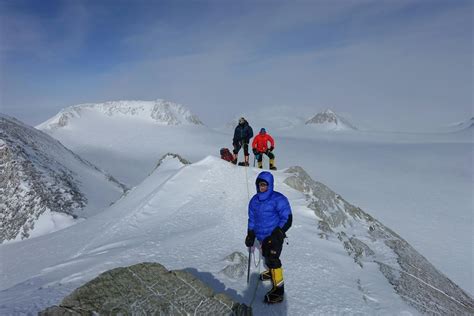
<point x="248" y="269"/>
<point x="254" y="161"/>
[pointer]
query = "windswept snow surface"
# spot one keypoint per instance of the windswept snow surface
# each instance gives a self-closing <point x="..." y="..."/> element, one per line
<point x="419" y="184"/>
<point x="128" y="148"/>
<point x="192" y="217"/>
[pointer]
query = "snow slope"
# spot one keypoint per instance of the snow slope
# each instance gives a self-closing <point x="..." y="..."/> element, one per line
<point x="419" y="184"/>
<point x="193" y="217"/>
<point x="128" y="145"/>
<point x="43" y="185"/>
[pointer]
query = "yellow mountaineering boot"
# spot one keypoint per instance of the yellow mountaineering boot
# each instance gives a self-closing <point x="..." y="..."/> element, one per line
<point x="275" y="295"/>
<point x="272" y="164"/>
<point x="260" y="164"/>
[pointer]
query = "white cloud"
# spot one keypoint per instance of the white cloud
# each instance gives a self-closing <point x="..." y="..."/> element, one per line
<point x="382" y="63"/>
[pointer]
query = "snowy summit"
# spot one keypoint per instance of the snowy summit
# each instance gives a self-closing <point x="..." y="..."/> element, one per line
<point x="158" y="111"/>
<point x="329" y="120"/>
<point x="340" y="260"/>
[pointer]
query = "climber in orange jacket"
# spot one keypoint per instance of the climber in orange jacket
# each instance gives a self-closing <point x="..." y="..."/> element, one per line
<point x="260" y="147"/>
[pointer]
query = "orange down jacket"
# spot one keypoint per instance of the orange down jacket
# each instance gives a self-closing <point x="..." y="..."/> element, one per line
<point x="261" y="142"/>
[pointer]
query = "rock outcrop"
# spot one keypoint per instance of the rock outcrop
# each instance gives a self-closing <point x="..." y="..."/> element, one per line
<point x="146" y="289"/>
<point x="38" y="174"/>
<point x="171" y="156"/>
<point x="365" y="239"/>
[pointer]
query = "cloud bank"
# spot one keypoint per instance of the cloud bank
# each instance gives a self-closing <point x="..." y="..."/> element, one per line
<point x="390" y="64"/>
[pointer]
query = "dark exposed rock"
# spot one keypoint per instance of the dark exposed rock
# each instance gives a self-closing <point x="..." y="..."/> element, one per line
<point x="413" y="277"/>
<point x="146" y="289"/>
<point x="418" y="279"/>
<point x="33" y="179"/>
<point x="22" y="184"/>
<point x="357" y="249"/>
<point x="172" y="155"/>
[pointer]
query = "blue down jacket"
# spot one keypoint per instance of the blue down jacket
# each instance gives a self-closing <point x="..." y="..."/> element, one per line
<point x="268" y="210"/>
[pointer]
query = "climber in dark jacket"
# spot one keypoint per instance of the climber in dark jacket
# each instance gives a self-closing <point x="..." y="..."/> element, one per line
<point x="269" y="218"/>
<point x="242" y="135"/>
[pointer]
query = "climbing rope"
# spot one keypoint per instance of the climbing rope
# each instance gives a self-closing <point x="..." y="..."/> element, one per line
<point x="256" y="263"/>
<point x="247" y="184"/>
<point x="258" y="281"/>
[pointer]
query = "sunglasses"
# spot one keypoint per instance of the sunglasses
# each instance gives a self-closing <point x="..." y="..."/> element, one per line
<point x="262" y="184"/>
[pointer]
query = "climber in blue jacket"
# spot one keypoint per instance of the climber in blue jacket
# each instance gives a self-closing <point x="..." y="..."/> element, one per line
<point x="269" y="219"/>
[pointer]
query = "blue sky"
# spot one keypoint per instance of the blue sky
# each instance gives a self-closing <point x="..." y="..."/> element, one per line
<point x="399" y="64"/>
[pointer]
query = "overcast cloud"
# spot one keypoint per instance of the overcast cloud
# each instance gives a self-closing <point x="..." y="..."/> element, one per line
<point x="394" y="65"/>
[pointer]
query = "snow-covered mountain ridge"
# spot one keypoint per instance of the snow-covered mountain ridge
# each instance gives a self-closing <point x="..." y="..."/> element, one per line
<point x="128" y="146"/>
<point x="42" y="181"/>
<point x="355" y="163"/>
<point x="159" y="111"/>
<point x="328" y="120"/>
<point x="339" y="259"/>
<point x="367" y="240"/>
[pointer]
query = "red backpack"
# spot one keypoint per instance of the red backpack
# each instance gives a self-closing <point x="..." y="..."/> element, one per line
<point x="226" y="155"/>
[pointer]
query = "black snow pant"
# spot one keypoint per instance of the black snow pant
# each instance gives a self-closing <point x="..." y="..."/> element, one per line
<point x="268" y="153"/>
<point x="271" y="251"/>
<point x="239" y="144"/>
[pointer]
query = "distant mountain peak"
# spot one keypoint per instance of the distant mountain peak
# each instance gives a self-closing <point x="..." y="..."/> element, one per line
<point x="158" y="111"/>
<point x="458" y="127"/>
<point x="469" y="123"/>
<point x="330" y="120"/>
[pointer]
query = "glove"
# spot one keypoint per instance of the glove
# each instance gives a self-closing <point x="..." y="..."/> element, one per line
<point x="255" y="151"/>
<point x="271" y="148"/>
<point x="250" y="239"/>
<point x="278" y="235"/>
